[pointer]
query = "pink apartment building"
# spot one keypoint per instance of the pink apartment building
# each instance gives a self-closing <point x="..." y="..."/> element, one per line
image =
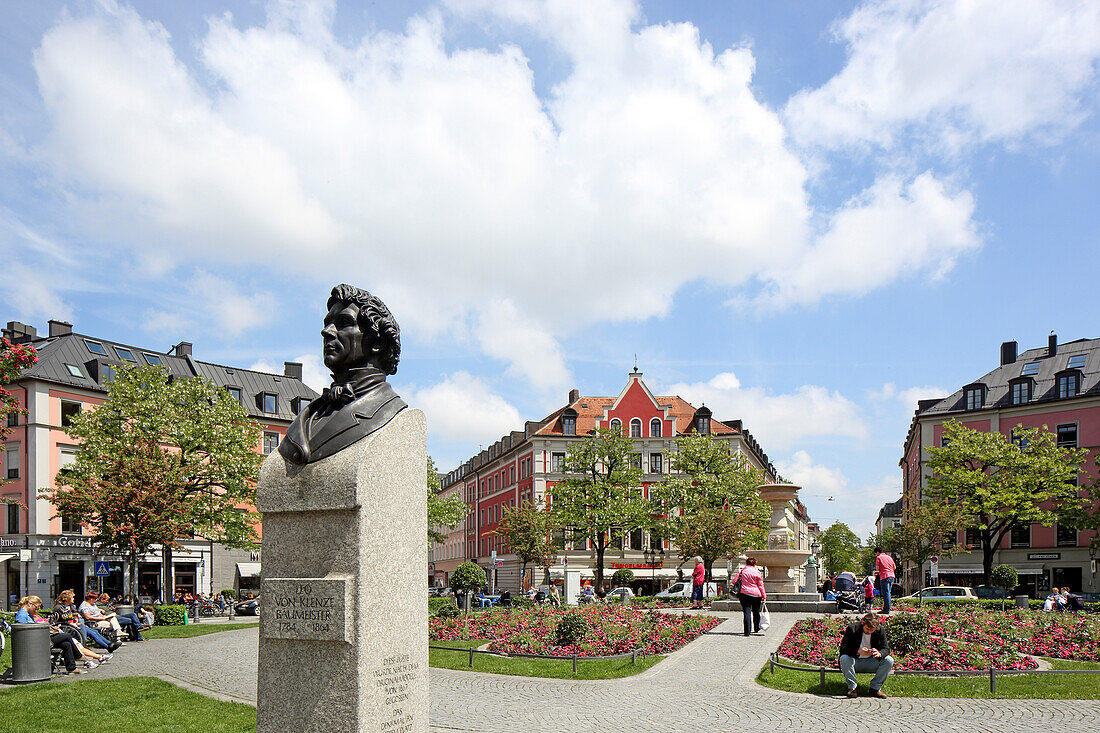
<point x="1057" y="386"/>
<point x="42" y="553"/>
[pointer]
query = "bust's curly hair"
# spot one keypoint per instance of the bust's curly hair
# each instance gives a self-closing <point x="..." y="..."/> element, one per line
<point x="374" y="318"/>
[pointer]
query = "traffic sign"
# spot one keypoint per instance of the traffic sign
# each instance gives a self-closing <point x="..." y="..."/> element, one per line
<point x="101" y="568"/>
<point x="500" y="563"/>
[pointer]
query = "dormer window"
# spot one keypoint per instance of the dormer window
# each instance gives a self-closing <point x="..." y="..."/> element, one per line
<point x="569" y="421"/>
<point x="616" y="426"/>
<point x="298" y="404"/>
<point x="1069" y="384"/>
<point x="1021" y="391"/>
<point x="702" y="420"/>
<point x="235" y="393"/>
<point x="636" y="431"/>
<point x="975" y="397"/>
<point x="269" y="402"/>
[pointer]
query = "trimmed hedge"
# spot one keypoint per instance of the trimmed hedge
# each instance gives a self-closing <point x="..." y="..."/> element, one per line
<point x="434" y="604"/>
<point x="170" y="615"/>
<point x="522" y="603"/>
<point x="229" y="592"/>
<point x="447" y="610"/>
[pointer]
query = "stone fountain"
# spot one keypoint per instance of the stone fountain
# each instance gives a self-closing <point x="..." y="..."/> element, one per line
<point x="779" y="558"/>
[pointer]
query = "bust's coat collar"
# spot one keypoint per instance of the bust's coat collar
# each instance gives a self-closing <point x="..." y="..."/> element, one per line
<point x="310" y="439"/>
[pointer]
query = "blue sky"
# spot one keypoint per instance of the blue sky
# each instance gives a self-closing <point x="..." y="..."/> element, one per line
<point x="807" y="215"/>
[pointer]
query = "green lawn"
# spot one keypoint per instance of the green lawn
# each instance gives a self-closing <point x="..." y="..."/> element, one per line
<point x="1047" y="687"/>
<point x="184" y="632"/>
<point x="596" y="669"/>
<point x="131" y="703"/>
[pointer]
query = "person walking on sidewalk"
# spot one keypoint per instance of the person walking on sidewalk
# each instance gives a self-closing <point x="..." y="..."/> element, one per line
<point x="698" y="579"/>
<point x="751" y="595"/>
<point x="884" y="566"/>
<point x="864" y="648"/>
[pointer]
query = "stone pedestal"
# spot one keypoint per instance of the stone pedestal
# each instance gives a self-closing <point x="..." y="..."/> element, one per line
<point x="779" y="558"/>
<point x="343" y="626"/>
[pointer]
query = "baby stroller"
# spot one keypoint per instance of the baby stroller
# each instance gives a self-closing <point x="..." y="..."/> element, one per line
<point x="849" y="598"/>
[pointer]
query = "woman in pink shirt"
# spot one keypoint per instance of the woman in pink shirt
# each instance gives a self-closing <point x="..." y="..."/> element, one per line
<point x="751" y="595"/>
<point x="698" y="578"/>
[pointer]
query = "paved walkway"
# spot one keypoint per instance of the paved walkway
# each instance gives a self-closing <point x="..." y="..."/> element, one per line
<point x="708" y="685"/>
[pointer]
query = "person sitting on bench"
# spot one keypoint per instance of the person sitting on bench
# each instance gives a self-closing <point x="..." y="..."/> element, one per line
<point x="28" y="614"/>
<point x="91" y="613"/>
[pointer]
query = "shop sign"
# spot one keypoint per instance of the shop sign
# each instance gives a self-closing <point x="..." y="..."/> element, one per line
<point x="73" y="541"/>
<point x="10" y="542"/>
<point x="637" y="565"/>
<point x="1044" y="556"/>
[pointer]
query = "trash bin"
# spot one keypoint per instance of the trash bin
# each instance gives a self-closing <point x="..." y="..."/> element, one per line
<point x="30" y="653"/>
<point x="124" y="608"/>
<point x="1021" y="601"/>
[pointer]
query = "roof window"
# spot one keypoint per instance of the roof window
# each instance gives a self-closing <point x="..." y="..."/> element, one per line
<point x="1077" y="361"/>
<point x="1030" y="369"/>
<point x="95" y="347"/>
<point x="153" y="359"/>
<point x="74" y="370"/>
<point x="125" y="354"/>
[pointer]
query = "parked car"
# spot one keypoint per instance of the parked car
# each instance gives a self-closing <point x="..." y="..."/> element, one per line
<point x="251" y="607"/>
<point x="682" y="589"/>
<point x="944" y="593"/>
<point x="620" y="594"/>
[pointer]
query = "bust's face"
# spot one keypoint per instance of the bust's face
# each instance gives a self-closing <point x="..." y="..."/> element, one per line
<point x="343" y="340"/>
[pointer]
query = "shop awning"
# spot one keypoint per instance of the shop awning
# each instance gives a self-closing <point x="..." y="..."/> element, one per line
<point x="248" y="569"/>
<point x="5" y="556"/>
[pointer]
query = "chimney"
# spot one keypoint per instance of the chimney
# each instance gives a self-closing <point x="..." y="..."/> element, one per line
<point x="16" y="332"/>
<point x="60" y="328"/>
<point x="1052" y="344"/>
<point x="1008" y="353"/>
<point x="293" y="370"/>
<point x="574" y="395"/>
<point x="183" y="348"/>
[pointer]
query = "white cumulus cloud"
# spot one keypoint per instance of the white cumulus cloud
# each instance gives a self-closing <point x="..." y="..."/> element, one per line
<point x="957" y="71"/>
<point x="779" y="421"/>
<point x="465" y="408"/>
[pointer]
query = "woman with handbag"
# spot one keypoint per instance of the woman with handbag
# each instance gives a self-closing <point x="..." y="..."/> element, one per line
<point x="749" y="587"/>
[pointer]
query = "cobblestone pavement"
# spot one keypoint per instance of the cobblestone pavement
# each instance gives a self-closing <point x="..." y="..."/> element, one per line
<point x="708" y="685"/>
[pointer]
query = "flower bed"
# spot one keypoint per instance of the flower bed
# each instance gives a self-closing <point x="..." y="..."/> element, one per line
<point x="1059" y="635"/>
<point x="612" y="630"/>
<point x="815" y="641"/>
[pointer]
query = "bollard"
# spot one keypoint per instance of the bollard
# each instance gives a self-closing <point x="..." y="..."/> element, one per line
<point x="634" y="656"/>
<point x="823" y="677"/>
<point x="771" y="663"/>
<point x="574" y="664"/>
<point x="471" y="657"/>
<point x="30" y="653"/>
<point x="992" y="680"/>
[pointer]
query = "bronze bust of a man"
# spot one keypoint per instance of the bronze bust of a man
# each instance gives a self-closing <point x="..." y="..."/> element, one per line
<point x="362" y="345"/>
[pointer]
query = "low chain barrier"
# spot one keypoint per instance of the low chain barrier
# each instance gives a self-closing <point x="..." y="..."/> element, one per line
<point x="633" y="654"/>
<point x="773" y="662"/>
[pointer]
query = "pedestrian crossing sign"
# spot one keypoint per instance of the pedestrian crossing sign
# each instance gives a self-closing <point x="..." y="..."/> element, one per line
<point x="101" y="568"/>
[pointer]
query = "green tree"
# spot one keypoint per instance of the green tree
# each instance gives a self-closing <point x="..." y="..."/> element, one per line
<point x="1005" y="578"/>
<point x="840" y="547"/>
<point x="622" y="577"/>
<point x="923" y="534"/>
<point x="444" y="512"/>
<point x="14" y="358"/>
<point x="996" y="484"/>
<point x="532" y="533"/>
<point x="182" y="444"/>
<point x="602" y="497"/>
<point x="467" y="578"/>
<point x="710" y="506"/>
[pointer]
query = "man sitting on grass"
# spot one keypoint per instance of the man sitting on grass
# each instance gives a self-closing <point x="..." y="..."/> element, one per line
<point x="864" y="648"/>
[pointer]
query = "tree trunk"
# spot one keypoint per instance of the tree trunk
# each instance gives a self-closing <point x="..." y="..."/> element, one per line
<point x="134" y="576"/>
<point x="987" y="561"/>
<point x="167" y="591"/>
<point x="601" y="547"/>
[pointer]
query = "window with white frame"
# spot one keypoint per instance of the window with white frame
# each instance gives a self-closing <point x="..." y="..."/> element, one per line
<point x="11" y="461"/>
<point x="1067" y="536"/>
<point x="1021" y="536"/>
<point x="975" y="398"/>
<point x="69" y="410"/>
<point x="616" y="425"/>
<point x="271" y="441"/>
<point x="656" y="463"/>
<point x="1067" y="435"/>
<point x="635" y="428"/>
<point x="655" y="428"/>
<point x="557" y="462"/>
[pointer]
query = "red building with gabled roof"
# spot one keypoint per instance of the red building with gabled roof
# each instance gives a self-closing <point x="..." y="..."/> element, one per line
<point x="519" y="467"/>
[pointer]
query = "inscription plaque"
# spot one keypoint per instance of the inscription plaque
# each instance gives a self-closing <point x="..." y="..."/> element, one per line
<point x="393" y="679"/>
<point x="312" y="609"/>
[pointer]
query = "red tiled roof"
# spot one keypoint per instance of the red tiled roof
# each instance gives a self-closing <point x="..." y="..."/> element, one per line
<point x="590" y="410"/>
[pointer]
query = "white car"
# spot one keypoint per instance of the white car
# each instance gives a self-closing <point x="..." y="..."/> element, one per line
<point x="682" y="589"/>
<point x="944" y="593"/>
<point x="620" y="594"/>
